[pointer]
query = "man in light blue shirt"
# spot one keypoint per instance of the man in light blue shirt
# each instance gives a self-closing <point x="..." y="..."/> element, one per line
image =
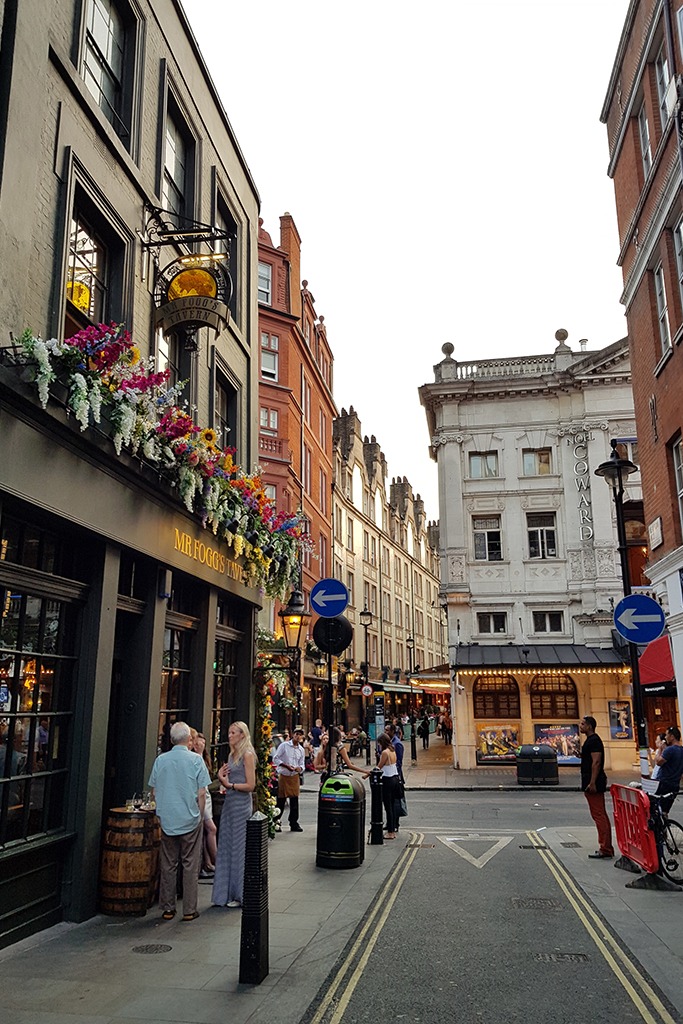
<point x="179" y="779"/>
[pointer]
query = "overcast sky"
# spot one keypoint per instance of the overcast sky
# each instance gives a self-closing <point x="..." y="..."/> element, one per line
<point x="445" y="165"/>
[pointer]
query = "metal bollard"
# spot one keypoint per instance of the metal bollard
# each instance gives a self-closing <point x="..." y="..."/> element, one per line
<point x="376" y="809"/>
<point x="254" y="965"/>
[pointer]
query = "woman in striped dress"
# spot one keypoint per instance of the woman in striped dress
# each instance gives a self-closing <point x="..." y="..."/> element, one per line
<point x="238" y="776"/>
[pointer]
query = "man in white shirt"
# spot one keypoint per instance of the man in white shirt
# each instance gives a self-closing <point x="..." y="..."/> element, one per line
<point x="289" y="761"/>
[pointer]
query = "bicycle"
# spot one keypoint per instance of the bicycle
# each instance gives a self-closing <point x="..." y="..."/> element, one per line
<point x="669" y="839"/>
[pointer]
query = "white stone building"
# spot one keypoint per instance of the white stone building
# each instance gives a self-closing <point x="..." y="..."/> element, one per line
<point x="530" y="567"/>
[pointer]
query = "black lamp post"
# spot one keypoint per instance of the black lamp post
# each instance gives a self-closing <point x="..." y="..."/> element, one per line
<point x="294" y="617"/>
<point x="615" y="471"/>
<point x="410" y="647"/>
<point x="366" y="621"/>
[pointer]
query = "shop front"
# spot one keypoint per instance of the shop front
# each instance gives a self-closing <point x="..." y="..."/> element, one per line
<point x="120" y="615"/>
<point x="498" y="707"/>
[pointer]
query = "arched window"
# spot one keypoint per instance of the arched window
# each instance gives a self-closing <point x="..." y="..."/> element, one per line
<point x="553" y="696"/>
<point x="496" y="697"/>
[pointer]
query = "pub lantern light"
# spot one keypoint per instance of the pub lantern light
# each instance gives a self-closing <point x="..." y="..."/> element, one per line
<point x="320" y="668"/>
<point x="294" y="617"/>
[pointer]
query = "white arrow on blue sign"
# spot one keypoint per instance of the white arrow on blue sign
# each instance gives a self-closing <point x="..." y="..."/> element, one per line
<point x="639" y="619"/>
<point x="329" y="597"/>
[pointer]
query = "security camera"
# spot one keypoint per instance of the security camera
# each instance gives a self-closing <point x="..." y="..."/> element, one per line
<point x="460" y="688"/>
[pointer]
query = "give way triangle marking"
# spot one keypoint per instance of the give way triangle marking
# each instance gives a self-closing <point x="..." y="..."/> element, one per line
<point x="499" y="843"/>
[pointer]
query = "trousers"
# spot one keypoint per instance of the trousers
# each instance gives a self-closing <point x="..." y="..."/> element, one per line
<point x="188" y="849"/>
<point x="596" y="805"/>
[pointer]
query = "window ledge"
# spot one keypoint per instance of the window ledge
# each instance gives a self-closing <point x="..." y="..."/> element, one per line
<point x="663" y="361"/>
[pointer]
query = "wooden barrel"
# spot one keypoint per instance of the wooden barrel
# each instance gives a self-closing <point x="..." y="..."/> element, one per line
<point x="127" y="860"/>
<point x="154" y="864"/>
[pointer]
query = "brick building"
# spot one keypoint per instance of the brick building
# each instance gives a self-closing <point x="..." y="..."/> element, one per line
<point x="121" y="612"/>
<point x="642" y="113"/>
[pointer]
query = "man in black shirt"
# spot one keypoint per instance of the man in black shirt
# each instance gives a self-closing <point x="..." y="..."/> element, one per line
<point x="594" y="784"/>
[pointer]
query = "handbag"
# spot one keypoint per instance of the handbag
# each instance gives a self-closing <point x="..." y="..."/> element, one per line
<point x="400" y="802"/>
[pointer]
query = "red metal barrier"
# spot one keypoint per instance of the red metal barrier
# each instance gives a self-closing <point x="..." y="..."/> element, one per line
<point x="636" y="841"/>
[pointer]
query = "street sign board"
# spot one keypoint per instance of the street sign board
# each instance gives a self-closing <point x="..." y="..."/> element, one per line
<point x="366" y="690"/>
<point x="639" y="619"/>
<point x="333" y="635"/>
<point x="329" y="597"/>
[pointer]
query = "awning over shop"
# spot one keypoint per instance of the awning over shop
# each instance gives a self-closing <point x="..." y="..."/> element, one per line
<point x="655" y="662"/>
<point x="396" y="687"/>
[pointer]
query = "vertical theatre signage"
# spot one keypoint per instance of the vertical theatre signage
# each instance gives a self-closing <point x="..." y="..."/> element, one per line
<point x="579" y="445"/>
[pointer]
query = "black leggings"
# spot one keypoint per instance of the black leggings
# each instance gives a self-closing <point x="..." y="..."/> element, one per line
<point x="390" y="791"/>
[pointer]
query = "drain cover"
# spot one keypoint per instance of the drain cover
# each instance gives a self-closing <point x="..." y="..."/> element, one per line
<point x="531" y="847"/>
<point x="571" y="846"/>
<point x="560" y="958"/>
<point x="152" y="948"/>
<point x="536" y="903"/>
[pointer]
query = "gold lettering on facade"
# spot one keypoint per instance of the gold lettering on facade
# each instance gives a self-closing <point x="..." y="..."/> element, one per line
<point x="203" y="553"/>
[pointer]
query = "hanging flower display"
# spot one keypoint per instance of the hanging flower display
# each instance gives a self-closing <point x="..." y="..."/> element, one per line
<point x="263" y="732"/>
<point x="102" y="370"/>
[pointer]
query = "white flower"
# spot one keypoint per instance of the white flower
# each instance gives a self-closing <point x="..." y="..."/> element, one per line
<point x="79" y="399"/>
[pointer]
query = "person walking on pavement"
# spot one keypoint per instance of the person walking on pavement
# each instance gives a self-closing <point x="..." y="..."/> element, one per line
<point x="178" y="784"/>
<point x="594" y="785"/>
<point x="670" y="761"/>
<point x="289" y="761"/>
<point x="447" y="729"/>
<point x="238" y="777"/>
<point x="423" y="731"/>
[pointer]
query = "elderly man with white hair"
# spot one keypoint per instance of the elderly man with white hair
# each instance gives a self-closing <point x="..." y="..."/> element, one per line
<point x="179" y="779"/>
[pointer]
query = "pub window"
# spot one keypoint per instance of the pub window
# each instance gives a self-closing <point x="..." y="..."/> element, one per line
<point x="224" y="698"/>
<point x="227" y="225"/>
<point x="37" y="666"/>
<point x="108" y="61"/>
<point x="169" y="355"/>
<point x="496" y="697"/>
<point x="553" y="697"/>
<point x="87" y="276"/>
<point x="176" y="679"/>
<point x="225" y="413"/>
<point x="177" y="178"/>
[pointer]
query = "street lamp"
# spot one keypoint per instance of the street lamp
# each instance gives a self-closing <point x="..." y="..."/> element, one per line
<point x="294" y="617"/>
<point x="410" y="647"/>
<point x="615" y="471"/>
<point x="366" y="621"/>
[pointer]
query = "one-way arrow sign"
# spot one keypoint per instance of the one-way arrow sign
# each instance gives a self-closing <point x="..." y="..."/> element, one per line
<point x="329" y="598"/>
<point x="639" y="619"/>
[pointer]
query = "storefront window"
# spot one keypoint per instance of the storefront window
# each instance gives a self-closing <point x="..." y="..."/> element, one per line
<point x="496" y="697"/>
<point x="175" y="684"/>
<point x="553" y="697"/>
<point x="224" y="698"/>
<point x="36" y="676"/>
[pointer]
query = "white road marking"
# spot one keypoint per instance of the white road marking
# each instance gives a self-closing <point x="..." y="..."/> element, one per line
<point x="451" y="843"/>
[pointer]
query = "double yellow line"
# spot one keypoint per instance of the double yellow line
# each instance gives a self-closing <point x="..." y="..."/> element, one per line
<point x="646" y="1001"/>
<point x="359" y="954"/>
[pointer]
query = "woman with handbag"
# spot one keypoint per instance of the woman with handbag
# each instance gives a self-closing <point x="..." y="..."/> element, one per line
<point x="390" y="782"/>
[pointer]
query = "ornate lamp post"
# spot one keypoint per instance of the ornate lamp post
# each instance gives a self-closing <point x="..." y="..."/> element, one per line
<point x="366" y="621"/>
<point x="410" y="647"/>
<point x="615" y="471"/>
<point x="294" y="617"/>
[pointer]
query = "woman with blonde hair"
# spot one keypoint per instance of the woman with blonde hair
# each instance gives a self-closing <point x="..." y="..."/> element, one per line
<point x="238" y="776"/>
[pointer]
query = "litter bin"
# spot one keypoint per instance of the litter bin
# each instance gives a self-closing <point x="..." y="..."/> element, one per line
<point x="341" y="822"/>
<point x="537" y="765"/>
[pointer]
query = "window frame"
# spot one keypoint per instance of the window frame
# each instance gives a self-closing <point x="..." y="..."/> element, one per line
<point x="125" y="119"/>
<point x="492" y="617"/>
<point x="265" y="293"/>
<point x="545" y="536"/>
<point x="662" y="77"/>
<point x="547" y="621"/>
<point x="644" y="138"/>
<point x="487" y="532"/>
<point x="662" y="308"/>
<point x="528" y="453"/>
<point x="270" y="345"/>
<point x="485" y="473"/>
<point x="175" y="116"/>
<point x="677" y="456"/>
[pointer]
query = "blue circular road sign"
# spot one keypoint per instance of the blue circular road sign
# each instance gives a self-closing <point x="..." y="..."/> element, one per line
<point x="329" y="597"/>
<point x="639" y="619"/>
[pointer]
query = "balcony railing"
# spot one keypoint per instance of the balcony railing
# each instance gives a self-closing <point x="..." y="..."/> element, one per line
<point x="524" y="366"/>
<point x="274" y="447"/>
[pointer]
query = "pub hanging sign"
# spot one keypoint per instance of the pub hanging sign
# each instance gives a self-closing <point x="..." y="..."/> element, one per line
<point x="192" y="292"/>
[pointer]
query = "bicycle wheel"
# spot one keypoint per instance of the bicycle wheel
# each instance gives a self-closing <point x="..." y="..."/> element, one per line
<point x="672" y="851"/>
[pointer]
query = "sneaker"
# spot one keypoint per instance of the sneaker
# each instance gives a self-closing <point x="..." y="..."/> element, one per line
<point x="206" y="873"/>
<point x="234" y="903"/>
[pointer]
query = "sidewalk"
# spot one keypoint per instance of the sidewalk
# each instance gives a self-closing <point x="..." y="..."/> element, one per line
<point x="435" y="770"/>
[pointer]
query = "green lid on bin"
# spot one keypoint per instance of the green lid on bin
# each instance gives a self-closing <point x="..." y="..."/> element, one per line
<point x="337" y="786"/>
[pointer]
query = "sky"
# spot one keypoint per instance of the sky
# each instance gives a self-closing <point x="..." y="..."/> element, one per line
<point x="446" y="167"/>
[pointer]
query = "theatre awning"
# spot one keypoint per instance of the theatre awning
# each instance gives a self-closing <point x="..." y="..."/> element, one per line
<point x="655" y="662"/>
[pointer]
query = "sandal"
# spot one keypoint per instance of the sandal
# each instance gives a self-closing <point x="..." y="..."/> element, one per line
<point x="191" y="917"/>
<point x="168" y="915"/>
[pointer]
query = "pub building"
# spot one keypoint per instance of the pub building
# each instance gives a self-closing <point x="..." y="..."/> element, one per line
<point x="121" y="612"/>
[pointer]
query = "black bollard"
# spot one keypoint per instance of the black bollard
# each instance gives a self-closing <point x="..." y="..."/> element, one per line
<point x="376" y="809"/>
<point x="254" y="966"/>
